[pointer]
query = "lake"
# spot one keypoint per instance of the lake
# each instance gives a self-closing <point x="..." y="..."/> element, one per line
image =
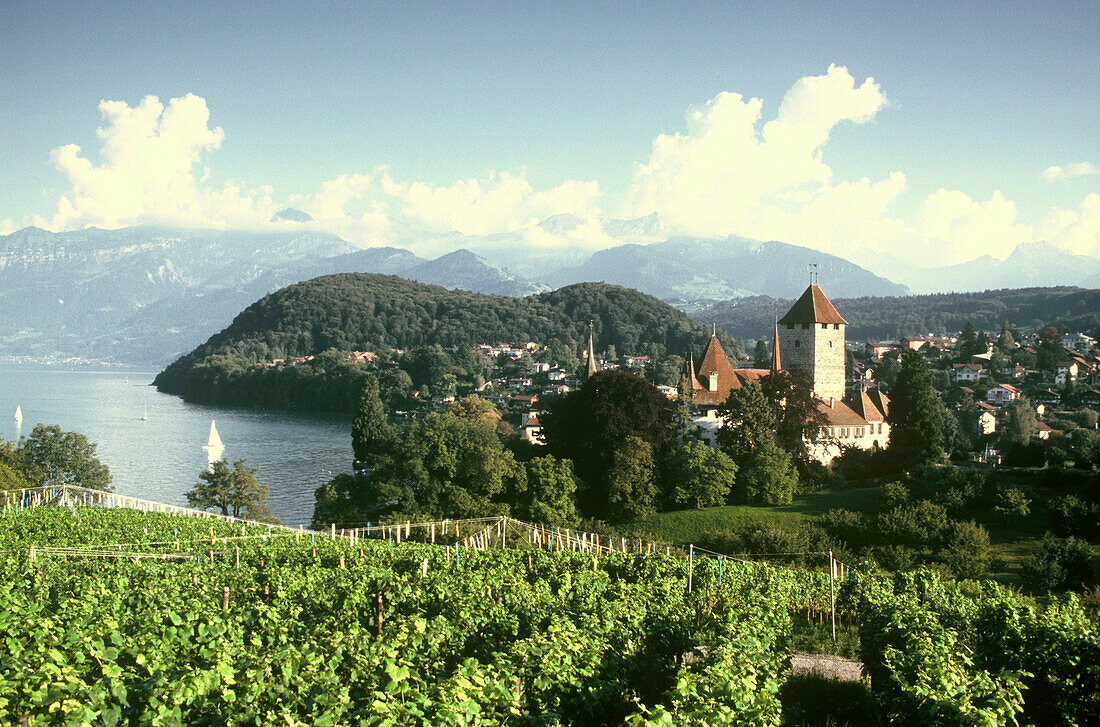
<point x="160" y="459"/>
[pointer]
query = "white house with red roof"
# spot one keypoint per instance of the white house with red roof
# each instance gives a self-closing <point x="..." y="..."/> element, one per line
<point x="1002" y="394"/>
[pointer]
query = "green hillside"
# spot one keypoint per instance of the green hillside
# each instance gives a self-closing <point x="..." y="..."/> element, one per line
<point x="359" y="311"/>
<point x="885" y="318"/>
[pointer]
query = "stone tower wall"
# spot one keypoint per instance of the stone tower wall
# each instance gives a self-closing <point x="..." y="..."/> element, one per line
<point x="819" y="351"/>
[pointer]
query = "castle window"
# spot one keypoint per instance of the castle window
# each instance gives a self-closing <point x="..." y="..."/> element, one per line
<point x="859" y="432"/>
<point x="796" y="343"/>
<point x="790" y="326"/>
<point x="824" y="325"/>
<point x="830" y="344"/>
<point x="805" y="326"/>
<point x="836" y="326"/>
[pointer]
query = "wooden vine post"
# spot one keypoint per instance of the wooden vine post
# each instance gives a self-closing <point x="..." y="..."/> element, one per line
<point x="691" y="562"/>
<point x="832" y="593"/>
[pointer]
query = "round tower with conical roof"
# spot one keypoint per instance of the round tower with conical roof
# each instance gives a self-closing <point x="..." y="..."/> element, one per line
<point x="811" y="337"/>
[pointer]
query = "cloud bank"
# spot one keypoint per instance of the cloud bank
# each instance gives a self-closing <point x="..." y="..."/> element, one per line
<point x="728" y="172"/>
<point x="1058" y="174"/>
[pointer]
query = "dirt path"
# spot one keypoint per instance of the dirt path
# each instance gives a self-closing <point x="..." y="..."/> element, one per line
<point x="829" y="667"/>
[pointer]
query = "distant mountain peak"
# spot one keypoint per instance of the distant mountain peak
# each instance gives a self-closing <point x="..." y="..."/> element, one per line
<point x="557" y="224"/>
<point x="647" y="226"/>
<point x="292" y="215"/>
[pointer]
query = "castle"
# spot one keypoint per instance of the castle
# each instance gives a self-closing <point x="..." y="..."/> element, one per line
<point x="809" y="338"/>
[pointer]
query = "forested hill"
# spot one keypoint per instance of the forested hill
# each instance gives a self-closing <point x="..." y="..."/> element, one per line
<point x="887" y="318"/>
<point x="359" y="311"/>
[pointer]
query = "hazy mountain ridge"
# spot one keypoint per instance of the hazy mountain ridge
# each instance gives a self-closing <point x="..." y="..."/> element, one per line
<point x="731" y="267"/>
<point x="147" y="294"/>
<point x="888" y="318"/>
<point x="1029" y="265"/>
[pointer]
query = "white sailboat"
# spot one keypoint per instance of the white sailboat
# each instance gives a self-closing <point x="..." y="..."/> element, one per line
<point x="18" y="415"/>
<point x="145" y="416"/>
<point x="214" y="446"/>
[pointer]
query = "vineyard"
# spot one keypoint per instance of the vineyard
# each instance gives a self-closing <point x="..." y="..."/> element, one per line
<point x="114" y="616"/>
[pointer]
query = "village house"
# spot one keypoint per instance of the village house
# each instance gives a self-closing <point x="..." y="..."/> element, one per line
<point x="1002" y="394"/>
<point x="1049" y="397"/>
<point x="968" y="372"/>
<point x="1065" y="372"/>
<point x="986" y="421"/>
<point x="530" y="428"/>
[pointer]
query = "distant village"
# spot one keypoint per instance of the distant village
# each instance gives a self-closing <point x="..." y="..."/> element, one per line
<point x="979" y="375"/>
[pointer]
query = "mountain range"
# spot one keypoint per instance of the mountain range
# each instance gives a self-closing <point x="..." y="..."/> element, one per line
<point x="145" y="295"/>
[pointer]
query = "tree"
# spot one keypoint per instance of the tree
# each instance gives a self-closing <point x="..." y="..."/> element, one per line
<point x="967" y="344"/>
<point x="1061" y="563"/>
<point x="550" y="498"/>
<point x="1013" y="504"/>
<point x="561" y="355"/>
<point x="12" y="474"/>
<point x="369" y="430"/>
<point x="235" y="492"/>
<point x="53" y="457"/>
<point x="1021" y="424"/>
<point x="761" y="357"/>
<point x="915" y="425"/>
<point x="700" y="476"/>
<point x="799" y="422"/>
<point x="589" y="424"/>
<point x="767" y="476"/>
<point x="1085" y="449"/>
<point x="445" y="467"/>
<point x="395" y="387"/>
<point x="748" y="420"/>
<point x="631" y="484"/>
<point x="967" y="550"/>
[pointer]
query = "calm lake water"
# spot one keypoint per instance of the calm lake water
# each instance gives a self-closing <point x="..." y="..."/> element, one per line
<point x="160" y="459"/>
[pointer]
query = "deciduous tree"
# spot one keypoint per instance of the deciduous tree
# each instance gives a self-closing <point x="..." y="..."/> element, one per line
<point x="589" y="424"/>
<point x="631" y="482"/>
<point x="54" y="457"/>
<point x="234" y="492"/>
<point x="701" y="476"/>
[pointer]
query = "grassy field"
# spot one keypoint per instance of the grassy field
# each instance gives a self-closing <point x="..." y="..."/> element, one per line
<point x="688" y="526"/>
<point x="1012" y="542"/>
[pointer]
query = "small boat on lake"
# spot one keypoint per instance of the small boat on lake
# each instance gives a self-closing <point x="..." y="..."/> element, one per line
<point x="18" y="415"/>
<point x="214" y="445"/>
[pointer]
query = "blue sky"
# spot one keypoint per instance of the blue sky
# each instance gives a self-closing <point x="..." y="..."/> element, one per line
<point x="977" y="132"/>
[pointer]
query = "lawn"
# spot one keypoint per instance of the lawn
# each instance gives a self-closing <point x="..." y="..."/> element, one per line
<point x="689" y="526"/>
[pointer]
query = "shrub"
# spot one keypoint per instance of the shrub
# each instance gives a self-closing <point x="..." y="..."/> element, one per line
<point x="1063" y="563"/>
<point x="966" y="553"/>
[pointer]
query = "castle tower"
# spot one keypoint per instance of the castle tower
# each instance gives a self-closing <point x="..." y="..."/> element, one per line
<point x="812" y="338"/>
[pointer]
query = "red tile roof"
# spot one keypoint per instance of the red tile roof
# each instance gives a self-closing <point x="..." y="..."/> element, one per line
<point x="716" y="361"/>
<point x="813" y="307"/>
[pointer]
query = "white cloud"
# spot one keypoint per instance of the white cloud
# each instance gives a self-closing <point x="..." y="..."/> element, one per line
<point x="729" y="172"/>
<point x="147" y="169"/>
<point x="716" y="177"/>
<point x="379" y="208"/>
<point x="1058" y="174"/>
<point x="954" y="228"/>
<point x="1077" y="231"/>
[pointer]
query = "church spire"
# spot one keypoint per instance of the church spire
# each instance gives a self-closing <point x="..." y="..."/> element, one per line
<point x="591" y="352"/>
